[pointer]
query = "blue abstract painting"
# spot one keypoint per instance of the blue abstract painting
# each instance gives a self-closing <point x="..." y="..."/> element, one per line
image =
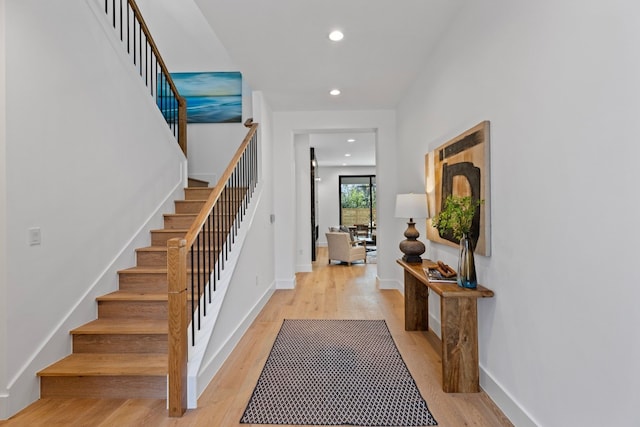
<point x="212" y="97"/>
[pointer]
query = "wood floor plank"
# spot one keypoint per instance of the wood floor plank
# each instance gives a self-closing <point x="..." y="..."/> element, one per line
<point x="331" y="292"/>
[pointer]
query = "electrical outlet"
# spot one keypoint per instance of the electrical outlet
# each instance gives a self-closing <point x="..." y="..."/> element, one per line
<point x="35" y="238"/>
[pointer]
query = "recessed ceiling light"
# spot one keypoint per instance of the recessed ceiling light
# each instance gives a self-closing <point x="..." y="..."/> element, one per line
<point x="344" y="164"/>
<point x="336" y="36"/>
<point x="351" y="140"/>
<point x="347" y="155"/>
<point x="334" y="92"/>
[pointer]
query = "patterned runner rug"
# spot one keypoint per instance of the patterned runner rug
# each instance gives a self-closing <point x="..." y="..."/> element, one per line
<point x="335" y="372"/>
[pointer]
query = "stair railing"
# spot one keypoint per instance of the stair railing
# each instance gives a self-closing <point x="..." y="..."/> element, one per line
<point x="127" y="21"/>
<point x="195" y="262"/>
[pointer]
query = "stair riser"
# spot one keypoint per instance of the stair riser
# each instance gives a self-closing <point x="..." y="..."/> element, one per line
<point x="194" y="206"/>
<point x="159" y="259"/>
<point x="188" y="206"/>
<point x="204" y="193"/>
<point x="179" y="222"/>
<point x="199" y="193"/>
<point x="105" y="387"/>
<point x="143" y="282"/>
<point x="132" y="309"/>
<point x="120" y="343"/>
<point x="151" y="259"/>
<point x="160" y="238"/>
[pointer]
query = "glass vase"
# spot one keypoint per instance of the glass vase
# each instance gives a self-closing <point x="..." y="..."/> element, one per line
<point x="466" y="264"/>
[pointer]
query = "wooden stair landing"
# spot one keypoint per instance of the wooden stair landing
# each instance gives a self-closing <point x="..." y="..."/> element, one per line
<point x="123" y="353"/>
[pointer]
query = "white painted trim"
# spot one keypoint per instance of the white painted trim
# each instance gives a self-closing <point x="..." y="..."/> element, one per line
<point x="23" y="381"/>
<point x="4" y="406"/>
<point x="390" y="284"/>
<point x="505" y="401"/>
<point x="213" y="365"/>
<point x="304" y="268"/>
<point x="203" y="335"/>
<point x="286" y="283"/>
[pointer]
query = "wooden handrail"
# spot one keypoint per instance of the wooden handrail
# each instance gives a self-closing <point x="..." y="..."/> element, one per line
<point x="177" y="268"/>
<point x="215" y="194"/>
<point x="181" y="134"/>
<point x="182" y="103"/>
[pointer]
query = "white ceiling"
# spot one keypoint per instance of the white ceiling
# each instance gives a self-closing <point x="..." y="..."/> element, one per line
<point x="331" y="148"/>
<point x="283" y="50"/>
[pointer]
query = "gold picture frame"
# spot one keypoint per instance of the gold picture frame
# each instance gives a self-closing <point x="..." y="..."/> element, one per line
<point x="461" y="167"/>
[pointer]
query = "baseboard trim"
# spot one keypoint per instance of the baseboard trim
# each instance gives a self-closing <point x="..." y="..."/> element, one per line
<point x="304" y="268"/>
<point x="4" y="406"/>
<point x="390" y="284"/>
<point x="500" y="398"/>
<point x="504" y="401"/>
<point x="24" y="387"/>
<point x="286" y="283"/>
<point x="434" y="340"/>
<point x="210" y="368"/>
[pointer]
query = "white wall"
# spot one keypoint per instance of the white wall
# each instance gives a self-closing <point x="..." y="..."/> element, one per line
<point x="286" y="125"/>
<point x="328" y="195"/>
<point x="253" y="281"/>
<point x="559" y="83"/>
<point x="303" y="201"/>
<point x="90" y="161"/>
<point x="188" y="44"/>
<point x="4" y="349"/>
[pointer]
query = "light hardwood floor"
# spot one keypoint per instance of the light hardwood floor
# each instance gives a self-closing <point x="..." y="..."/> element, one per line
<point x="330" y="292"/>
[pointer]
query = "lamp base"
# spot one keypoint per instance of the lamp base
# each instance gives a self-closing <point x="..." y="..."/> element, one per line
<point x="411" y="247"/>
<point x="412" y="259"/>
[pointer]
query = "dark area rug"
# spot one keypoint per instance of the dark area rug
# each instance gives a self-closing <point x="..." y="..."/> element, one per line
<point x="335" y="372"/>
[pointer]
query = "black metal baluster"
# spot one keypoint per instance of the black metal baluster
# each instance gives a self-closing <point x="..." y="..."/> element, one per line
<point x="140" y="45"/>
<point x="193" y="302"/>
<point x="197" y="282"/>
<point x="210" y="269"/>
<point x="201" y="272"/>
<point x="128" y="28"/>
<point x="134" y="38"/>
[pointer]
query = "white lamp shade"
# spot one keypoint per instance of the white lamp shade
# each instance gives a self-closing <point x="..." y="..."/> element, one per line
<point x="411" y="206"/>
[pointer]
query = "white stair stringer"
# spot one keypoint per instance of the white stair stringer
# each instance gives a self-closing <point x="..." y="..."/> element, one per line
<point x="208" y="322"/>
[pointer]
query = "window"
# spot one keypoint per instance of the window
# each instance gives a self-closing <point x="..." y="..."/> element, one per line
<point x="357" y="199"/>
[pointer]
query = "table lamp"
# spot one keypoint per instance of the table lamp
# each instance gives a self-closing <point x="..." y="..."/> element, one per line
<point x="411" y="206"/>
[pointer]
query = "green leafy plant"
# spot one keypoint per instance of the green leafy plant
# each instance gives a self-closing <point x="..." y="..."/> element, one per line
<point x="456" y="216"/>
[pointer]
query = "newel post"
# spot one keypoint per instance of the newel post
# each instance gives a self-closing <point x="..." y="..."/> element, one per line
<point x="177" y="310"/>
<point x="182" y="124"/>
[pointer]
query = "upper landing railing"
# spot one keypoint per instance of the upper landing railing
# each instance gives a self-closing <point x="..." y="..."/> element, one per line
<point x="127" y="21"/>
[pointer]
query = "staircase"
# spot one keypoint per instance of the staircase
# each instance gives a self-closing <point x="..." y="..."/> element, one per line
<point x="123" y="353"/>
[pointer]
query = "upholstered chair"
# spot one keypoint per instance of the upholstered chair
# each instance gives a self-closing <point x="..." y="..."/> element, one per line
<point x="341" y="248"/>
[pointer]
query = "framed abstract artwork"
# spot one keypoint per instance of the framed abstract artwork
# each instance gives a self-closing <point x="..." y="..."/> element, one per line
<point x="212" y="97"/>
<point x="461" y="167"/>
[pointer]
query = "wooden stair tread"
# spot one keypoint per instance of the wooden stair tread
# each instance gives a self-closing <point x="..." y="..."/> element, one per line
<point x="123" y="326"/>
<point x="184" y="215"/>
<point x="136" y="296"/>
<point x="144" y="270"/>
<point x="133" y="296"/>
<point x="180" y="230"/>
<point x="197" y="183"/>
<point x="152" y="249"/>
<point x="109" y="364"/>
<point x="150" y="270"/>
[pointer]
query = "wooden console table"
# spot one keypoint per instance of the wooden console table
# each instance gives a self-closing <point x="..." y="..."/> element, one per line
<point x="459" y="324"/>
